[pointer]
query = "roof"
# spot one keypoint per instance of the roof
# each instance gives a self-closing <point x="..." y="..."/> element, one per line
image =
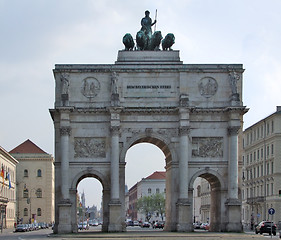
<point x="8" y="156"/>
<point x="157" y="175"/>
<point x="27" y="147"/>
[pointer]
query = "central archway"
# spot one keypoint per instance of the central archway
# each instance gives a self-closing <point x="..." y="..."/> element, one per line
<point x="169" y="153"/>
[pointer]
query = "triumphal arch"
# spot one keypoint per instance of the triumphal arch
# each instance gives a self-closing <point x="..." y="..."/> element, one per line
<point x="192" y="112"/>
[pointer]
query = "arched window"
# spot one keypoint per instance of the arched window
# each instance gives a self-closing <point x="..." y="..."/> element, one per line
<point x="149" y="191"/>
<point x="25" y="193"/>
<point x="39" y="173"/>
<point x="25" y="212"/>
<point x="38" y="211"/>
<point x="25" y="173"/>
<point x="157" y="190"/>
<point x="39" y="193"/>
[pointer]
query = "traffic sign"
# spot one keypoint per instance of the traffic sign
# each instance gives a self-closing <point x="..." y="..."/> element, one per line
<point x="271" y="211"/>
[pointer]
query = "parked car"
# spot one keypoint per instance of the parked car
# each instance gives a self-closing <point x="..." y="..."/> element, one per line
<point x="196" y="225"/>
<point x="205" y="226"/>
<point x="145" y="225"/>
<point x="21" y="228"/>
<point x="158" y="225"/>
<point x="265" y="227"/>
<point x="136" y="223"/>
<point x="83" y="226"/>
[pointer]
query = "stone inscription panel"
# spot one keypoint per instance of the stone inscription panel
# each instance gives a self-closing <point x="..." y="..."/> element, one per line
<point x="150" y="87"/>
<point x="89" y="147"/>
<point x="207" y="147"/>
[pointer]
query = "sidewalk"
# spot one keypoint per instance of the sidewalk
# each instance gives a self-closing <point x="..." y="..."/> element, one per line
<point x="159" y="236"/>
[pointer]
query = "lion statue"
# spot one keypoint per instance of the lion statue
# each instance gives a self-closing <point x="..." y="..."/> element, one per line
<point x="155" y="41"/>
<point x="128" y="41"/>
<point x="168" y="42"/>
<point x="142" y="41"/>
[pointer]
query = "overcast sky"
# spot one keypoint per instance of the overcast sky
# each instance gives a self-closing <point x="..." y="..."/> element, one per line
<point x="37" y="34"/>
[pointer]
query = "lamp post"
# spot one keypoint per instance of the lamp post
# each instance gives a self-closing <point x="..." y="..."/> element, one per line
<point x="29" y="201"/>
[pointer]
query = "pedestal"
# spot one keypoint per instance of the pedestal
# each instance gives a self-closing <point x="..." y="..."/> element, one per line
<point x="64" y="225"/>
<point x="234" y="216"/>
<point x="184" y="216"/>
<point x="116" y="221"/>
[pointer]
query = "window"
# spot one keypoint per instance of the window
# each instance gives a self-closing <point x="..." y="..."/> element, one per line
<point x="157" y="190"/>
<point x="267" y="150"/>
<point x="272" y="149"/>
<point x="272" y="189"/>
<point x="25" y="212"/>
<point x="39" y="173"/>
<point x="261" y="170"/>
<point x="258" y="154"/>
<point x="272" y="167"/>
<point x="149" y="191"/>
<point x="39" y="193"/>
<point x="38" y="211"/>
<point x="25" y="173"/>
<point x="25" y="193"/>
<point x="267" y="168"/>
<point x="261" y="153"/>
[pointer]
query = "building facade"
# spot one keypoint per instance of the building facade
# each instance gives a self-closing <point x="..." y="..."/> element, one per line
<point x="35" y="183"/>
<point x="7" y="189"/>
<point x="262" y="170"/>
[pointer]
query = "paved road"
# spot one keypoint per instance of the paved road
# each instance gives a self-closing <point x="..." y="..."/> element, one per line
<point x="135" y="233"/>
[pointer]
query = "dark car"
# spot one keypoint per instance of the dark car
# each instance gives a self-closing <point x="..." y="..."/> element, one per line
<point x="265" y="227"/>
<point x="158" y="225"/>
<point x="145" y="225"/>
<point x="21" y="228"/>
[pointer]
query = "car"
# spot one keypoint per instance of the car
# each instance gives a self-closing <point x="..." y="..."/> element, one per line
<point x="145" y="225"/>
<point x="196" y="225"/>
<point x="158" y="225"/>
<point x="21" y="228"/>
<point x="83" y="226"/>
<point x="136" y="223"/>
<point x="266" y="227"/>
<point x="205" y="226"/>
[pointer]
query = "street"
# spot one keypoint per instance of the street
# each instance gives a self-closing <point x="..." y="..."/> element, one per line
<point x="132" y="233"/>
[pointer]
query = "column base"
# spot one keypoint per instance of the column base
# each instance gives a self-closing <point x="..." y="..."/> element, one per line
<point x="184" y="216"/>
<point x="234" y="223"/>
<point x="116" y="221"/>
<point x="64" y="225"/>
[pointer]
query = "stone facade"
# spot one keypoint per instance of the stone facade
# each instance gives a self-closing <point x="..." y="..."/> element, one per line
<point x="192" y="112"/>
<point x="262" y="170"/>
<point x="7" y="189"/>
<point x="35" y="183"/>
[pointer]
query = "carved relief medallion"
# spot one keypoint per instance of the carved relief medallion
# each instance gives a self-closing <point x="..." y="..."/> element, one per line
<point x="207" y="147"/>
<point x="90" y="87"/>
<point x="89" y="147"/>
<point x="208" y="87"/>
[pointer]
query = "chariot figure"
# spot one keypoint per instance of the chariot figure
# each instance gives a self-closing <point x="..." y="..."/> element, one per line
<point x="146" y="24"/>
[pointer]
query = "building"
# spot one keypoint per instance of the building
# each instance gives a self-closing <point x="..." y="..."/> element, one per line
<point x="154" y="183"/>
<point x="7" y="189"/>
<point x="35" y="183"/>
<point x="262" y="170"/>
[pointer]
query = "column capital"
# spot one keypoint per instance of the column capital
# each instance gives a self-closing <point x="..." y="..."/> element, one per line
<point x="114" y="130"/>
<point x="233" y="130"/>
<point x="65" y="131"/>
<point x="184" y="130"/>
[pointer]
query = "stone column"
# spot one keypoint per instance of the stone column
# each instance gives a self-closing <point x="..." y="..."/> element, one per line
<point x="64" y="205"/>
<point x="65" y="133"/>
<point x="233" y="203"/>
<point x="115" y="164"/>
<point x="233" y="163"/>
<point x="183" y="162"/>
<point x="184" y="206"/>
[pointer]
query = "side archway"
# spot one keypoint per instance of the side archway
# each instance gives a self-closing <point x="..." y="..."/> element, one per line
<point x="217" y="196"/>
<point x="91" y="173"/>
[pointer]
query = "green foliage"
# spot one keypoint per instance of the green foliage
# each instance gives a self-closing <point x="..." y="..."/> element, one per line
<point x="148" y="205"/>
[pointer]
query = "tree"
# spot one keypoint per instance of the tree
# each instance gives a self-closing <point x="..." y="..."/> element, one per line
<point x="159" y="204"/>
<point x="148" y="205"/>
<point x="144" y="205"/>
